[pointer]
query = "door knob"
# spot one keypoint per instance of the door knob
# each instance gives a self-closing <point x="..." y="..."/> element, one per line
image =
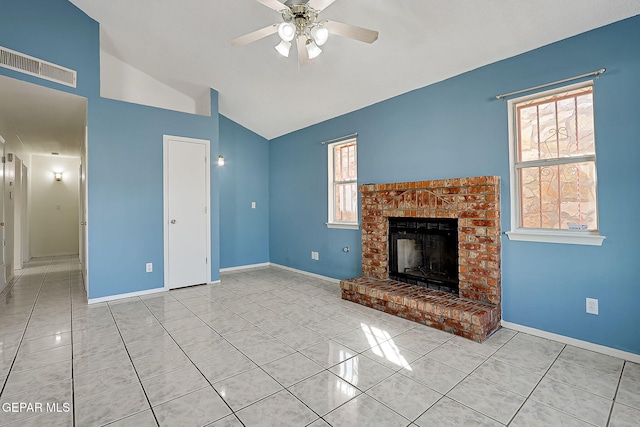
<point x="173" y="221"/>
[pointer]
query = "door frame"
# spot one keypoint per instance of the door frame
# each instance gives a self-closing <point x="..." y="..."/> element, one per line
<point x="165" y="199"/>
<point x="3" y="172"/>
<point x="83" y="205"/>
<point x="26" y="257"/>
<point x="18" y="206"/>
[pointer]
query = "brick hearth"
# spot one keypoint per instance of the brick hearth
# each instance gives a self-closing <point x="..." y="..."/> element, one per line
<point x="475" y="202"/>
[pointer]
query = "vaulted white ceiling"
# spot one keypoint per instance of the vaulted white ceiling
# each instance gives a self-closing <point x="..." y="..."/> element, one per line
<point x="185" y="44"/>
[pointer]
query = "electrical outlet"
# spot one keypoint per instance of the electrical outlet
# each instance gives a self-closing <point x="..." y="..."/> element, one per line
<point x="592" y="306"/>
<point x="149" y="267"/>
<point x="315" y="255"/>
<point x="253" y="205"/>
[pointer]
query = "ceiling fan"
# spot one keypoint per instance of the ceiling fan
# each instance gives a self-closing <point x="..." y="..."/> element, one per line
<point x="301" y="22"/>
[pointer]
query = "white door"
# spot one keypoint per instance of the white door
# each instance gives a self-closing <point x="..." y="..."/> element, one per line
<point x="186" y="212"/>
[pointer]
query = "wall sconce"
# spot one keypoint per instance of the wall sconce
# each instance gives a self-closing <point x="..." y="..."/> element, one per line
<point x="57" y="176"/>
<point x="220" y="161"/>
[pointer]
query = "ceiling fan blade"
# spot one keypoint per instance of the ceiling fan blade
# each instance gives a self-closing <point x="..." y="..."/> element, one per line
<point x="303" y="55"/>
<point x="320" y="5"/>
<point x="256" y="35"/>
<point x="351" y="31"/>
<point x="273" y="4"/>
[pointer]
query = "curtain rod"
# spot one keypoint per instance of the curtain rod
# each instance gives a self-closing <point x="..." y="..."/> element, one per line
<point x="593" y="73"/>
<point x="340" y="138"/>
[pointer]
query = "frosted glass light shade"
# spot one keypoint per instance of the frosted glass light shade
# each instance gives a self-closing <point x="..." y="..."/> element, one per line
<point x="313" y="49"/>
<point x="320" y="35"/>
<point x="283" y="48"/>
<point x="287" y="31"/>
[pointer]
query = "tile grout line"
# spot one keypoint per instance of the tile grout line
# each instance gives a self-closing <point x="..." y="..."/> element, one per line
<point x="327" y="370"/>
<point x="296" y="351"/>
<point x="615" y="395"/>
<point x="538" y="384"/>
<point x="445" y="394"/>
<point x="24" y="330"/>
<point x="394" y="372"/>
<point x="73" y="392"/>
<point x="134" y="369"/>
<point x="257" y="366"/>
<point x="187" y="356"/>
<point x="262" y="369"/>
<point x="397" y="371"/>
<point x="245" y="355"/>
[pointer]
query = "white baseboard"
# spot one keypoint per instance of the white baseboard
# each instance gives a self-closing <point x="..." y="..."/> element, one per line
<point x="51" y="255"/>
<point x="245" y="267"/>
<point x="306" y="273"/>
<point x="122" y="296"/>
<point x="270" y="264"/>
<point x="574" y="342"/>
<point x="215" y="282"/>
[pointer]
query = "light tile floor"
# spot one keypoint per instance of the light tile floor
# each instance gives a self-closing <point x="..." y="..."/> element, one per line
<point x="269" y="347"/>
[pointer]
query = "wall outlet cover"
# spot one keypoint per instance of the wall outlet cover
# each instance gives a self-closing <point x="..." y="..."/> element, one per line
<point x="149" y="267"/>
<point x="592" y="306"/>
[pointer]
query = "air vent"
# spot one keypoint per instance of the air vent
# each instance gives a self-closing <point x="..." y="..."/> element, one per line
<point x="36" y="67"/>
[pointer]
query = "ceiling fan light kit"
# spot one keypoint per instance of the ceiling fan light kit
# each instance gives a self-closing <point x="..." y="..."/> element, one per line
<point x="283" y="48"/>
<point x="287" y="31"/>
<point x="300" y="22"/>
<point x="312" y="49"/>
<point x="319" y="34"/>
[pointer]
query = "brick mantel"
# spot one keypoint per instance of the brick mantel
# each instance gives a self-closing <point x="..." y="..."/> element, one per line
<point x="474" y="201"/>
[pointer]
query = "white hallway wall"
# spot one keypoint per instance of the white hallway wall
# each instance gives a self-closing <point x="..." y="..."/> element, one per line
<point x="53" y="219"/>
<point x="13" y="145"/>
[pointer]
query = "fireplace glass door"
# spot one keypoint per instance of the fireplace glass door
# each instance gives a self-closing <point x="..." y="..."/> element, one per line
<point x="424" y="252"/>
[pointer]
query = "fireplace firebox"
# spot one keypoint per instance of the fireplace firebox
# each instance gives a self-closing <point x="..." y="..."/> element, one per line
<point x="424" y="252"/>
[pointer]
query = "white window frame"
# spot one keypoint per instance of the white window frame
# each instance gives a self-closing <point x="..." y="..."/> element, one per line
<point x="518" y="233"/>
<point x="332" y="222"/>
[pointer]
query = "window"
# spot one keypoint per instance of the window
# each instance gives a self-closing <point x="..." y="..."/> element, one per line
<point x="553" y="167"/>
<point x="343" y="185"/>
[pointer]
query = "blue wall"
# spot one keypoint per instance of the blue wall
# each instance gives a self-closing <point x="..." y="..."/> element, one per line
<point x="457" y="128"/>
<point x="125" y="192"/>
<point x="244" y="232"/>
<point x="125" y="148"/>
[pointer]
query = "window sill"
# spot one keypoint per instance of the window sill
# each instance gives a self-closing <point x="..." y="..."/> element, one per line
<point x="565" y="237"/>
<point x="343" y="226"/>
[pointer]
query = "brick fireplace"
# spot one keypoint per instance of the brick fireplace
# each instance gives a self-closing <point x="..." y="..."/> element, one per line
<point x="475" y="202"/>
